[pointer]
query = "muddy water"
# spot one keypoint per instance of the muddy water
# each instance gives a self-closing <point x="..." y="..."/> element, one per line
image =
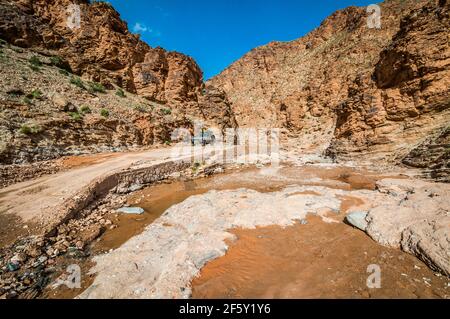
<point x="314" y="260"/>
<point x="158" y="198"/>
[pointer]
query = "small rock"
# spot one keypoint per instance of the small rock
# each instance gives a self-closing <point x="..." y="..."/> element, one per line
<point x="27" y="281"/>
<point x="42" y="259"/>
<point x="11" y="295"/>
<point x="50" y="251"/>
<point x="79" y="245"/>
<point x="63" y="105"/>
<point x="303" y="222"/>
<point x="13" y="266"/>
<point x="131" y="210"/>
<point x="19" y="258"/>
<point x="357" y="219"/>
<point x="34" y="251"/>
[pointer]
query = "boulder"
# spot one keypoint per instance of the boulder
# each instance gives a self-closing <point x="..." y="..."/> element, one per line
<point x="357" y="219"/>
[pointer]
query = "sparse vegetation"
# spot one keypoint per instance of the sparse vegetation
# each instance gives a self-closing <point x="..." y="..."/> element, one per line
<point x="27" y="100"/>
<point x="75" y="116"/>
<point x="104" y="112"/>
<point x="36" y="94"/>
<point x="34" y="60"/>
<point x="95" y="87"/>
<point x="195" y="167"/>
<point x="56" y="61"/>
<point x="140" y="108"/>
<point x="166" y="111"/>
<point x="34" y="68"/>
<point x="86" y="109"/>
<point x="120" y="93"/>
<point x="3" y="56"/>
<point x="64" y="72"/>
<point x="28" y="130"/>
<point x="75" y="80"/>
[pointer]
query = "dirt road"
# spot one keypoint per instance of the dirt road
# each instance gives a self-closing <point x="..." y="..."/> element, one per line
<point x="33" y="202"/>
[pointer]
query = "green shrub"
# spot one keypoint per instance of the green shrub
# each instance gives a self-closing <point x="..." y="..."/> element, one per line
<point x="35" y="68"/>
<point x="166" y="111"/>
<point x="36" y="94"/>
<point x="57" y="61"/>
<point x="195" y="167"/>
<point x="34" y="60"/>
<point x="86" y="109"/>
<point x="64" y="72"/>
<point x="3" y="56"/>
<point x="75" y="80"/>
<point x="120" y="93"/>
<point x="27" y="130"/>
<point x="75" y="116"/>
<point x="96" y="87"/>
<point x="104" y="112"/>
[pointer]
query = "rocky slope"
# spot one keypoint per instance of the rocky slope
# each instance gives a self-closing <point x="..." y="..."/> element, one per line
<point x="94" y="88"/>
<point x="352" y="91"/>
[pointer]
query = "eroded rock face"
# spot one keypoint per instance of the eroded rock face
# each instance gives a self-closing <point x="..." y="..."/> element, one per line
<point x="375" y="93"/>
<point x="100" y="50"/>
<point x="414" y="216"/>
<point x="103" y="50"/>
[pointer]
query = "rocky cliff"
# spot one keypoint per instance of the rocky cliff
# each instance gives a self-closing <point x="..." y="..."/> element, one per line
<point x="351" y="91"/>
<point x="69" y="88"/>
<point x="100" y="48"/>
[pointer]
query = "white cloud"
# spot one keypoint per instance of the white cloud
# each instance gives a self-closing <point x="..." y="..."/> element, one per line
<point x="140" y="28"/>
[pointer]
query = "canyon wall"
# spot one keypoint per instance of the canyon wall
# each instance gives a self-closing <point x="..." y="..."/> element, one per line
<point x="351" y="91"/>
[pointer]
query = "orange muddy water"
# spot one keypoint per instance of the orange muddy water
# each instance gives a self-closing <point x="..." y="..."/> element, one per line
<point x="156" y="199"/>
<point x="316" y="260"/>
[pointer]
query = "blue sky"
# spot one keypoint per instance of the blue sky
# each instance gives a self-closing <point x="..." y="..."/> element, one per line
<point x="218" y="32"/>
